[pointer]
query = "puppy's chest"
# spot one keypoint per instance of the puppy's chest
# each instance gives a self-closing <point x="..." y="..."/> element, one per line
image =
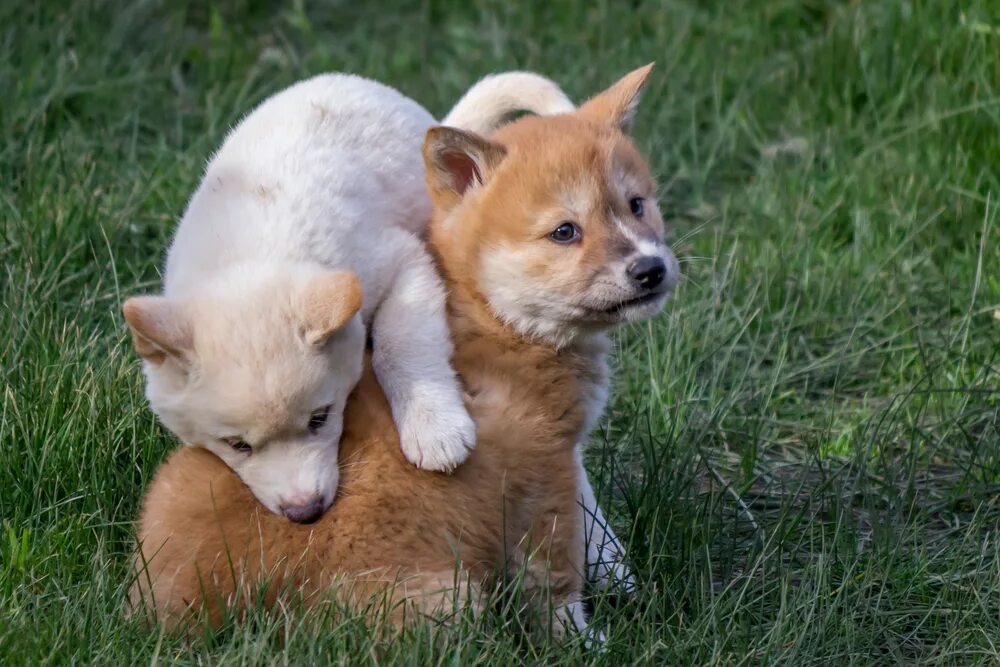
<point x="593" y="401"/>
<point x="544" y="414"/>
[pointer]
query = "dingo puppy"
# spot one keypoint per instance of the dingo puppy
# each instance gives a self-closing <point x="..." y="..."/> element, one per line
<point x="547" y="233"/>
<point x="303" y="232"/>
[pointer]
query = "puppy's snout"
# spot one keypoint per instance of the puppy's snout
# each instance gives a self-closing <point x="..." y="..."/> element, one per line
<point x="307" y="512"/>
<point x="648" y="272"/>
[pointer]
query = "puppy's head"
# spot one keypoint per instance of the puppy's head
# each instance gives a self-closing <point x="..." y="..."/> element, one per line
<point x="259" y="375"/>
<point x="553" y="220"/>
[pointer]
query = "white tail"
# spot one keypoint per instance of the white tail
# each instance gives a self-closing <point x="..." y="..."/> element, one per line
<point x="486" y="104"/>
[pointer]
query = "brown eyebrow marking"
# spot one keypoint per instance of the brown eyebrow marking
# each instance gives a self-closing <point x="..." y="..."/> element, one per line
<point x="630" y="172"/>
<point x="621" y="244"/>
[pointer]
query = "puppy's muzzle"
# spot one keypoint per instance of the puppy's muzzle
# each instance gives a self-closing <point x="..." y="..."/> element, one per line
<point x="647" y="272"/>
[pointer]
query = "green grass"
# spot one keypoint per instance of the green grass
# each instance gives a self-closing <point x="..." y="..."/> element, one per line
<point x="802" y="454"/>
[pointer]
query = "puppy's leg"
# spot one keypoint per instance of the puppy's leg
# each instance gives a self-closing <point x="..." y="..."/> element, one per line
<point x="571" y="619"/>
<point x="412" y="359"/>
<point x="550" y="560"/>
<point x="607" y="567"/>
<point x="441" y="596"/>
<point x="409" y="599"/>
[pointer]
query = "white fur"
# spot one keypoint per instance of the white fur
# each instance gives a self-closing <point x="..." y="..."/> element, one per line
<point x="484" y="106"/>
<point x="606" y="561"/>
<point x="324" y="175"/>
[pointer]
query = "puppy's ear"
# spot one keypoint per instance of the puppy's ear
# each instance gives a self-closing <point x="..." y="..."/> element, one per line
<point x="328" y="302"/>
<point x="456" y="161"/>
<point x="161" y="329"/>
<point x="617" y="105"/>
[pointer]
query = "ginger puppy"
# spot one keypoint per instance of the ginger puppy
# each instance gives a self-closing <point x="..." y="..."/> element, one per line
<point x="547" y="234"/>
<point x="303" y="233"/>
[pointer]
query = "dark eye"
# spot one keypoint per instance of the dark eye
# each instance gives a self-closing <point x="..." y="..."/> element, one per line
<point x="318" y="418"/>
<point x="637" y="206"/>
<point x="239" y="444"/>
<point x="566" y="232"/>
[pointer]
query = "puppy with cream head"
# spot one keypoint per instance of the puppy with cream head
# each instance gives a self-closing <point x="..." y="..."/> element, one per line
<point x="303" y="234"/>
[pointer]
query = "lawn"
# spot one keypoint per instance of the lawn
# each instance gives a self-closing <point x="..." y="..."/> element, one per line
<point x="802" y="453"/>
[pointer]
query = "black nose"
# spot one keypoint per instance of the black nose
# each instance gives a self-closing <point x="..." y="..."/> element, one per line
<point x="648" y="271"/>
<point x="307" y="513"/>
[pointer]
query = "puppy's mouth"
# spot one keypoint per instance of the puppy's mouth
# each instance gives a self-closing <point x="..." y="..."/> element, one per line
<point x="628" y="304"/>
<point x="634" y="308"/>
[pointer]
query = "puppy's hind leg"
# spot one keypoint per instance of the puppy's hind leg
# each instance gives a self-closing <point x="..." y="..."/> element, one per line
<point x="407" y="600"/>
<point x="412" y="359"/>
<point x="570" y="620"/>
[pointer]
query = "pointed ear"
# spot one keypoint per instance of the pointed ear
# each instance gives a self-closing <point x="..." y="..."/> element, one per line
<point x="327" y="304"/>
<point x="617" y="105"/>
<point x="455" y="161"/>
<point x="161" y="328"/>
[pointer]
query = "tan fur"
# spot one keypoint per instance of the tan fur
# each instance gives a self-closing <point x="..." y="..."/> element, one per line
<point x="570" y="167"/>
<point x="159" y="328"/>
<point x="328" y="303"/>
<point x="205" y="541"/>
<point x="618" y="103"/>
<point x="391" y="522"/>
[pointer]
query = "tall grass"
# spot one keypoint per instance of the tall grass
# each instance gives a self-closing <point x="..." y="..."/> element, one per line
<point x="802" y="454"/>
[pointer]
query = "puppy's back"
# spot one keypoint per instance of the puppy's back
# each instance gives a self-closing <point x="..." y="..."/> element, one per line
<point x="295" y="179"/>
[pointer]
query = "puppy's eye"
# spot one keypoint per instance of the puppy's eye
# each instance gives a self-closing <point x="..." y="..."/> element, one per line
<point x="239" y="444"/>
<point x="637" y="206"/>
<point x="566" y="232"/>
<point x="318" y="418"/>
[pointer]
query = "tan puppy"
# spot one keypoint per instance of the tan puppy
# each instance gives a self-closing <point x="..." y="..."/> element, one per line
<point x="546" y="235"/>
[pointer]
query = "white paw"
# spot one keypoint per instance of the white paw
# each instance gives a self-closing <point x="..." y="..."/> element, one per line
<point x="617" y="578"/>
<point x="436" y="434"/>
<point x="594" y="639"/>
<point x="608" y="569"/>
<point x="570" y="620"/>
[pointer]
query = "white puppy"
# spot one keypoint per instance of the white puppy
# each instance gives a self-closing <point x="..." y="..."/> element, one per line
<point x="303" y="232"/>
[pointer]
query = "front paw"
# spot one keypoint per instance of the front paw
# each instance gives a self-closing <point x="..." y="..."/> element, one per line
<point x="608" y="569"/>
<point x="615" y="577"/>
<point x="437" y="435"/>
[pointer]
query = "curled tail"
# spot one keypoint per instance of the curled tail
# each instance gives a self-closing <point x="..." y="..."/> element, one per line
<point x="486" y="104"/>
